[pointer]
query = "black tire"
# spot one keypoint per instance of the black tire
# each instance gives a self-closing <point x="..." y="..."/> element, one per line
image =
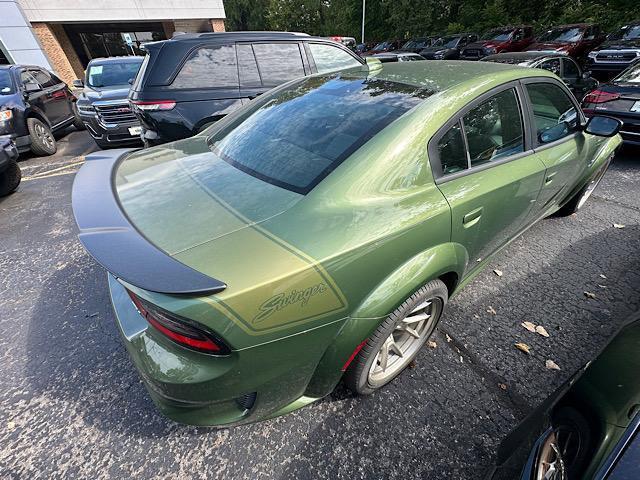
<point x="578" y="200"/>
<point x="357" y="376"/>
<point x="10" y="179"/>
<point x="576" y="455"/>
<point x="77" y="121"/>
<point x="42" y="140"/>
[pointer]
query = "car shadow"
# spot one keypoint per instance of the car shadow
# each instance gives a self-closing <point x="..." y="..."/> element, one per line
<point x="425" y="426"/>
<point x="75" y="358"/>
<point x="71" y="143"/>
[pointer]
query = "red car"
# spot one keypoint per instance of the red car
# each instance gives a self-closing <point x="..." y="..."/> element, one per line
<point x="575" y="40"/>
<point x="503" y="39"/>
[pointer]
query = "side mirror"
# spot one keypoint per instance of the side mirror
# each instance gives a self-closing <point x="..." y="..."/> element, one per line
<point x="32" y="87"/>
<point x="603" y="126"/>
<point x="78" y="83"/>
<point x="554" y="133"/>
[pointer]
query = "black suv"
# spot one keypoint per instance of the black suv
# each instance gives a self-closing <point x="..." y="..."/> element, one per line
<point x="103" y="102"/>
<point x="34" y="104"/>
<point x="619" y="50"/>
<point x="189" y="82"/>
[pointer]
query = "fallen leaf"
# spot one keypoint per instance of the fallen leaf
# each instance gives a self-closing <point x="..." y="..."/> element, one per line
<point x="589" y="295"/>
<point x="502" y="386"/>
<point x="413" y="364"/>
<point x="523" y="347"/>
<point x="478" y="260"/>
<point x="542" y="331"/>
<point x="602" y="275"/>
<point x="475" y="315"/>
<point x="461" y="359"/>
<point x="498" y="272"/>
<point x="11" y="425"/>
<point x="432" y="344"/>
<point x="448" y="337"/>
<point x="529" y="326"/>
<point x="491" y="310"/>
<point x="618" y="225"/>
<point x="551" y="365"/>
<point x="602" y="286"/>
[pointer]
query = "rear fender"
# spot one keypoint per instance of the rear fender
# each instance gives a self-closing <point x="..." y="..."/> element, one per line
<point x="385" y="298"/>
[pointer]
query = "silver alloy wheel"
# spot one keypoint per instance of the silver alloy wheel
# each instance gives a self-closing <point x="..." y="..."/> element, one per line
<point x="410" y="333"/>
<point x="550" y="464"/>
<point x="591" y="187"/>
<point x="44" y="135"/>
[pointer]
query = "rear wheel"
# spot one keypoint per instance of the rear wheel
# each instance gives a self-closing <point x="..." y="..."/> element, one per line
<point x="574" y="438"/>
<point x="397" y="340"/>
<point x="42" y="140"/>
<point x="10" y="179"/>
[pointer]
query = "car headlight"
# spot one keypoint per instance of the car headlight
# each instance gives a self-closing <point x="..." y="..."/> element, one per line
<point x="5" y="115"/>
<point x="85" y="108"/>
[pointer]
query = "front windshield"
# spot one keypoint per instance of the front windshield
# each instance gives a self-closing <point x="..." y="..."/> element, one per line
<point x="498" y="35"/>
<point x="446" y="42"/>
<point x="628" y="32"/>
<point x="295" y="137"/>
<point x="630" y="75"/>
<point x="112" y="74"/>
<point x="6" y="84"/>
<point x="569" y="34"/>
<point x="417" y="43"/>
<point x="381" y="46"/>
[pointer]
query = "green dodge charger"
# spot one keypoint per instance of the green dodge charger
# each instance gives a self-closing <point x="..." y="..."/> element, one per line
<point x="317" y="233"/>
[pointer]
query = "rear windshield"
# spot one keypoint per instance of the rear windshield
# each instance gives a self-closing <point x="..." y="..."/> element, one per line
<point x="295" y="137"/>
<point x="498" y="35"/>
<point x="630" y="75"/>
<point x="628" y="32"/>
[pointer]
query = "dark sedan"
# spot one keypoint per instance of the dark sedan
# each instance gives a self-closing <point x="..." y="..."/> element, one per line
<point x="386" y="46"/>
<point x="416" y="45"/>
<point x="579" y="82"/>
<point x="620" y="98"/>
<point x="448" y="47"/>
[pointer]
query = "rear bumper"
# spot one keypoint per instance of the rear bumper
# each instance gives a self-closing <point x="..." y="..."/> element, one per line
<point x="248" y="385"/>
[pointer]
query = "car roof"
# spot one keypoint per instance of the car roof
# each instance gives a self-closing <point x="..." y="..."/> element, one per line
<point x="444" y="74"/>
<point x="521" y="56"/>
<point x="239" y="36"/>
<point x="122" y="59"/>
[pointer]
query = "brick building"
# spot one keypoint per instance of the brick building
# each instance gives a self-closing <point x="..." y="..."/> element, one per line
<point x="64" y="35"/>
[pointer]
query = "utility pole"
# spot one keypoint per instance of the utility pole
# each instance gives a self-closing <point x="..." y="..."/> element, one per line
<point x="364" y="2"/>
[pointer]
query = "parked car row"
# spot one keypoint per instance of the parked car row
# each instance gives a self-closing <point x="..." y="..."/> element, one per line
<point x="581" y="41"/>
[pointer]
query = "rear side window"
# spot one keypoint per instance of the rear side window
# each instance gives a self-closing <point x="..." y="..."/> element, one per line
<point x="551" y="106"/>
<point x="570" y="69"/>
<point x="43" y="78"/>
<point x="208" y="67"/>
<point x="278" y="62"/>
<point x="452" y="152"/>
<point x="329" y="58"/>
<point x="137" y="83"/>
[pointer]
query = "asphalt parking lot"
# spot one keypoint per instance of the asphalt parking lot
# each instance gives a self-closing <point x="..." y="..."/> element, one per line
<point x="72" y="405"/>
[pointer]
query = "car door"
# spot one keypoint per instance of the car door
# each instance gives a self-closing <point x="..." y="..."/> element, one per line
<point x="572" y="77"/>
<point x="558" y="141"/>
<point x="55" y="96"/>
<point x="484" y="166"/>
<point x="326" y="58"/>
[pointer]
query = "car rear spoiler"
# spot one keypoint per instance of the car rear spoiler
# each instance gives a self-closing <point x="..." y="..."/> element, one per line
<point x="115" y="243"/>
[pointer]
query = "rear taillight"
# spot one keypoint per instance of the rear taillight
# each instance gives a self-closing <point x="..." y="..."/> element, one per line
<point x="599" y="96"/>
<point x="153" y="104"/>
<point x="181" y="331"/>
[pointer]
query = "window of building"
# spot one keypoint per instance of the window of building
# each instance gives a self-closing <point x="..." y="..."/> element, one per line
<point x="209" y="67"/>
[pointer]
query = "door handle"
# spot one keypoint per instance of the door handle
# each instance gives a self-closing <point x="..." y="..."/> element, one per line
<point x="549" y="178"/>
<point x="471" y="218"/>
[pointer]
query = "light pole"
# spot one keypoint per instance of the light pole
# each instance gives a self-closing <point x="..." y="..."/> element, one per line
<point x="363" y="5"/>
